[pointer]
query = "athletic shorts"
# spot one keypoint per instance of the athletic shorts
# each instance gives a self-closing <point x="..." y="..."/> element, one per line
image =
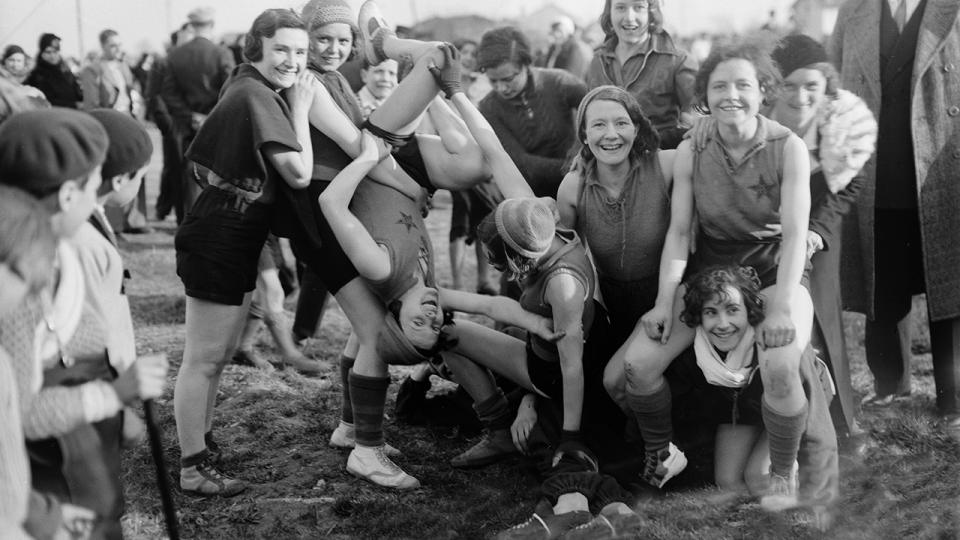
<point x="545" y="375"/>
<point x="467" y="213"/>
<point x="406" y="150"/>
<point x="328" y="261"/>
<point x="219" y="244"/>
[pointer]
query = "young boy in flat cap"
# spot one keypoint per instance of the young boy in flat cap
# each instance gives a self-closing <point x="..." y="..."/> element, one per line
<point x="73" y="421"/>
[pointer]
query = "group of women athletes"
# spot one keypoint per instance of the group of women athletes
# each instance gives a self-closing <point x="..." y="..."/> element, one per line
<point x="288" y="152"/>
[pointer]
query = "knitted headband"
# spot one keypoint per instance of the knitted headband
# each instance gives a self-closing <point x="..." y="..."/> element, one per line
<point x="318" y="13"/>
<point x="798" y="51"/>
<point x="526" y="225"/>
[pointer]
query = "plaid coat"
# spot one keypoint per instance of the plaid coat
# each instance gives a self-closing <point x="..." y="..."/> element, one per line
<point x="935" y="129"/>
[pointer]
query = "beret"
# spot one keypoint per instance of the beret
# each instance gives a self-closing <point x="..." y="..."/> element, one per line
<point x="130" y="146"/>
<point x="798" y="51"/>
<point x="42" y="149"/>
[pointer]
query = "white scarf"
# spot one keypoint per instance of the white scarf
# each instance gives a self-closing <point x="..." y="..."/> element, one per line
<point x="734" y="372"/>
<point x="66" y="307"/>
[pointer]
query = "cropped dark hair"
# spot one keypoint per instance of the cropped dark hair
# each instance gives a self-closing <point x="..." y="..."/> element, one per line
<point x="755" y="51"/>
<point x="712" y="282"/>
<point x="504" y="44"/>
<point x="107" y="34"/>
<point x="265" y="26"/>
<point x="646" y="142"/>
<point x="655" y="20"/>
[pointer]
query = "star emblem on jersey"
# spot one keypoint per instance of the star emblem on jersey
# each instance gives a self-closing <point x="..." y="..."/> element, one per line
<point x="407" y="220"/>
<point x="762" y="189"/>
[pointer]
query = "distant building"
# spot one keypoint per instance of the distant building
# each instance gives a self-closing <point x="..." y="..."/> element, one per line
<point x="815" y="18"/>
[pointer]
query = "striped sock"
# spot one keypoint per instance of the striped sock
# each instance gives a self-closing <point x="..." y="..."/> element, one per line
<point x="368" y="396"/>
<point x="346" y="408"/>
<point x="784" y="433"/>
<point x="494" y="412"/>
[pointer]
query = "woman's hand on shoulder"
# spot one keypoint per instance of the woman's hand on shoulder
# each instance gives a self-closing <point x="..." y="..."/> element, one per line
<point x="699" y="132"/>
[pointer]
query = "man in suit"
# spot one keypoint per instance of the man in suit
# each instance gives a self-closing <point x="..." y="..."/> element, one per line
<point x="195" y="71"/>
<point x="171" y="188"/>
<point x="108" y="83"/>
<point x="567" y="51"/>
<point x="903" y="58"/>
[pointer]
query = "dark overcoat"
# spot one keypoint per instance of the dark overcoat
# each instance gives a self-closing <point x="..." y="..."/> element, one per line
<point x="935" y="129"/>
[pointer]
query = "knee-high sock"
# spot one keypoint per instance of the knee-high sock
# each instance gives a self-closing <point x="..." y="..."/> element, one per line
<point x="494" y="412"/>
<point x="654" y="417"/>
<point x="784" y="433"/>
<point x="368" y="396"/>
<point x="346" y="408"/>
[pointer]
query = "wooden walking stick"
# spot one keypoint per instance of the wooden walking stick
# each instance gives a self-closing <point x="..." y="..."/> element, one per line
<point x="163" y="481"/>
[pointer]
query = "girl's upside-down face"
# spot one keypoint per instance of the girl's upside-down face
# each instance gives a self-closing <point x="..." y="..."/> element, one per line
<point x="421" y="317"/>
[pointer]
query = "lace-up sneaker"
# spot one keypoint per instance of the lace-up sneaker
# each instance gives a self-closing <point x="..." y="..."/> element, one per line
<point x="495" y="445"/>
<point x="373" y="30"/>
<point x="345" y="436"/>
<point x="663" y="465"/>
<point x="204" y="479"/>
<point x="781" y="494"/>
<point x="371" y="463"/>
<point x="545" y="527"/>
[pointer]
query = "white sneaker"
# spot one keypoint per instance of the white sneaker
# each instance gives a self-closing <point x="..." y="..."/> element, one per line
<point x="371" y="463"/>
<point x="664" y="465"/>
<point x="373" y="29"/>
<point x="781" y="494"/>
<point x="345" y="436"/>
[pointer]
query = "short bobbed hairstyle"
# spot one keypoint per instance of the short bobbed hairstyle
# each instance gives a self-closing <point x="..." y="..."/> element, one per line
<point x="265" y="26"/>
<point x="757" y="52"/>
<point x="712" y="283"/>
<point x="501" y="45"/>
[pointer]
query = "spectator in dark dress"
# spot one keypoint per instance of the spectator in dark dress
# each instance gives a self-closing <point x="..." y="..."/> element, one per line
<point x="52" y="75"/>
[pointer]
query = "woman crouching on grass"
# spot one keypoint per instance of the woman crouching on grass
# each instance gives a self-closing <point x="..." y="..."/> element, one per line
<point x="749" y="188"/>
<point x="723" y="305"/>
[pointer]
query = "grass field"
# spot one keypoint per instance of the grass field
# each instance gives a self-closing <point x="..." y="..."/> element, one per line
<point x="275" y="426"/>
